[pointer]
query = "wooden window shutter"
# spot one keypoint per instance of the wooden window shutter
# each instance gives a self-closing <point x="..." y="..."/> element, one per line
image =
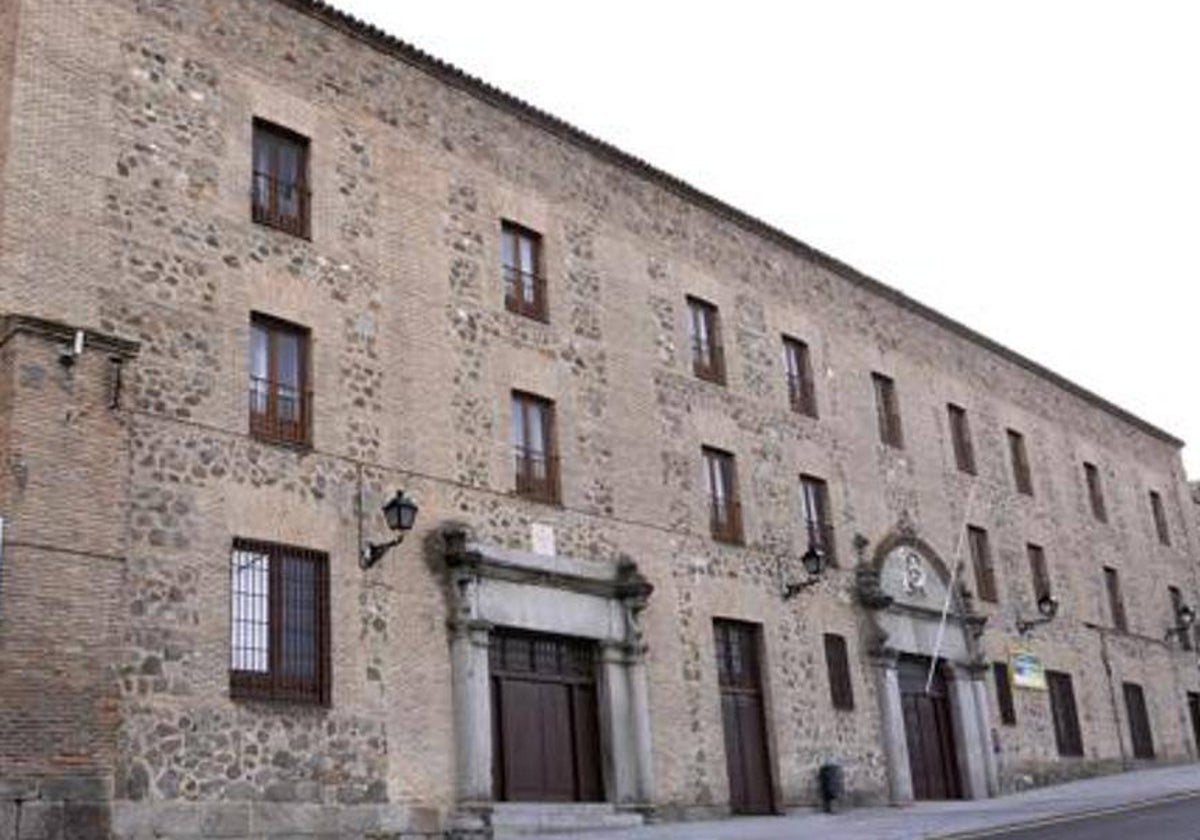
<point x="1116" y="604"/>
<point x="985" y="573"/>
<point x="1004" y="694"/>
<point x="841" y="690"/>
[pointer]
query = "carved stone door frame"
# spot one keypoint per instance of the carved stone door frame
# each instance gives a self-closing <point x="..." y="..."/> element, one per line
<point x="903" y="588"/>
<point x="491" y="587"/>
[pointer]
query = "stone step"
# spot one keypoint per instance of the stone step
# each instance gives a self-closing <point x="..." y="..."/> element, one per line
<point x="526" y="819"/>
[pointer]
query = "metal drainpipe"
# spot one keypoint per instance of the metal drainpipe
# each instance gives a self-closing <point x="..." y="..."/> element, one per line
<point x="1112" y="693"/>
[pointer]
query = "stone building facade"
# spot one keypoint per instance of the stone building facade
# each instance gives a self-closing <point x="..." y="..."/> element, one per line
<point x="148" y="266"/>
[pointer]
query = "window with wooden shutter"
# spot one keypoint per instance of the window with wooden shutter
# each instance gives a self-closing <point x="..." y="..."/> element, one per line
<point x="1066" y="718"/>
<point x="888" y="411"/>
<point x="1116" y="603"/>
<point x="818" y="524"/>
<point x="981" y="559"/>
<point x="1037" y="568"/>
<point x="1194" y="713"/>
<point x="536" y="461"/>
<point x="1139" y="721"/>
<point x="280" y="402"/>
<point x="837" y="660"/>
<point x="802" y="394"/>
<point x="521" y="262"/>
<point x="1004" y="693"/>
<point x="1185" y="636"/>
<point x="960" y="435"/>
<point x="1095" y="491"/>
<point x="279" y="623"/>
<point x="1020" y="463"/>
<point x="1160" y="518"/>
<point x="279" y="189"/>
<point x="725" y="513"/>
<point x="708" y="358"/>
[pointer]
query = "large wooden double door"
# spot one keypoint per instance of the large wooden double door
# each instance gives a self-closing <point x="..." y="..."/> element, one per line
<point x="930" y="734"/>
<point x="742" y="712"/>
<point x="545" y="727"/>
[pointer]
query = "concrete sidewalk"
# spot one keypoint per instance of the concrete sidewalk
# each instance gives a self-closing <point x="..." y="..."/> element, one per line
<point x="932" y="819"/>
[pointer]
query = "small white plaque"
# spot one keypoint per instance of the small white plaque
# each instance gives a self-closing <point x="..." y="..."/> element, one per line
<point x="543" y="539"/>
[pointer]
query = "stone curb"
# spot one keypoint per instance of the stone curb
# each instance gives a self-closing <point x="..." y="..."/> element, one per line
<point x="1070" y="816"/>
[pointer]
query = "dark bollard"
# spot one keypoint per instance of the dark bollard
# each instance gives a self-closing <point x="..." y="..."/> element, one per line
<point x="832" y="783"/>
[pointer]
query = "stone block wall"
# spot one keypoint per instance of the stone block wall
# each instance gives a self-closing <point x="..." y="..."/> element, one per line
<point x="128" y="212"/>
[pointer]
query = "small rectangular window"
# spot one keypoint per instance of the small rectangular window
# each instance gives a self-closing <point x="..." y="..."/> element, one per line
<point x="888" y="411"/>
<point x="1095" y="491"/>
<point x="1020" y="463"/>
<point x="279" y="188"/>
<point x="279" y="623"/>
<point x="536" y="461"/>
<point x="708" y="358"/>
<point x="818" y="524"/>
<point x="1116" y="604"/>
<point x="1185" y="635"/>
<point x="1139" y="721"/>
<point x="1160" y="518"/>
<point x="1194" y="713"/>
<point x="981" y="559"/>
<point x="280" y="402"/>
<point x="1041" y="575"/>
<point x="521" y="260"/>
<point x="801" y="391"/>
<point x="1004" y="694"/>
<point x="960" y="434"/>
<point x="1066" y="718"/>
<point x="837" y="661"/>
<point x="725" y="514"/>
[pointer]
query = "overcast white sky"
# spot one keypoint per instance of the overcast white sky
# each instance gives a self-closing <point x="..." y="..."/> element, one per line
<point x="1029" y="168"/>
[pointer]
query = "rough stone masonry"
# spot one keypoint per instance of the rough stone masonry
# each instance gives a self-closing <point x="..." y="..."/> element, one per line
<point x="129" y="470"/>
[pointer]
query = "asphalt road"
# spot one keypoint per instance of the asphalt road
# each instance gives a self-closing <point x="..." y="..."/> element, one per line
<point x="1175" y="820"/>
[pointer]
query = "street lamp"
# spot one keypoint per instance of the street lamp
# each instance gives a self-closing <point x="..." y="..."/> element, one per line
<point x="813" y="561"/>
<point x="400" y="514"/>
<point x="1047" y="607"/>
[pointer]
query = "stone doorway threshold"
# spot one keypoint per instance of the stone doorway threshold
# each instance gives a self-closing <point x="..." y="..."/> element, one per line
<point x="531" y="819"/>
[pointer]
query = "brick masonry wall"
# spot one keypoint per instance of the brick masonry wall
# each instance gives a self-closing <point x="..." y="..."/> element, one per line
<point x="127" y="189"/>
<point x="64" y="457"/>
<point x="8" y="54"/>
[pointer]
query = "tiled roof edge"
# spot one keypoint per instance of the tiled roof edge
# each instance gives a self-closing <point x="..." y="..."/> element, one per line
<point x="451" y="75"/>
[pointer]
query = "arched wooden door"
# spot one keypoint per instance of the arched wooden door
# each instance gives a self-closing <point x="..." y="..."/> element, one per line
<point x="929" y="730"/>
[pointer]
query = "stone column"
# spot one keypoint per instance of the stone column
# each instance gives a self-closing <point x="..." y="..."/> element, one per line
<point x="616" y="721"/>
<point x="472" y="710"/>
<point x="895" y="741"/>
<point x="639" y="710"/>
<point x="978" y="672"/>
<point x="970" y="743"/>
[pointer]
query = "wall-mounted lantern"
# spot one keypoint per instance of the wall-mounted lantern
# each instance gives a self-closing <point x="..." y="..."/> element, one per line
<point x="813" y="561"/>
<point x="1185" y="617"/>
<point x="1047" y="607"/>
<point x="400" y="513"/>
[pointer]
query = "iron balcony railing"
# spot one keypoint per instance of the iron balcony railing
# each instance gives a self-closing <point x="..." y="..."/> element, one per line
<point x="708" y="361"/>
<point x="280" y="204"/>
<point x="525" y="294"/>
<point x="280" y="412"/>
<point x="801" y="396"/>
<point x="821" y="537"/>
<point x="537" y="475"/>
<point x="725" y="520"/>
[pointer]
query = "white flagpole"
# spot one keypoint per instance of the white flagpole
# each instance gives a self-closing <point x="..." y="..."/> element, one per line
<point x="937" y="644"/>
